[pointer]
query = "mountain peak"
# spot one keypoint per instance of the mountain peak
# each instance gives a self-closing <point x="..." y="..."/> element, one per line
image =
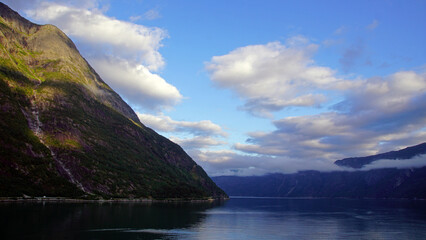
<point x="16" y="21"/>
<point x="55" y="51"/>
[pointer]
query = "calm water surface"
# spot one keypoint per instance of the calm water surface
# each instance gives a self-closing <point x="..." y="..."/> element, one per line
<point x="238" y="218"/>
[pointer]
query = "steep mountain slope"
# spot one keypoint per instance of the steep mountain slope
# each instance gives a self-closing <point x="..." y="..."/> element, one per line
<point x="64" y="132"/>
<point x="377" y="183"/>
<point x="406" y="153"/>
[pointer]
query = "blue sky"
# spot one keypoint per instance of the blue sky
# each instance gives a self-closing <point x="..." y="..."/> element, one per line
<point x="251" y="87"/>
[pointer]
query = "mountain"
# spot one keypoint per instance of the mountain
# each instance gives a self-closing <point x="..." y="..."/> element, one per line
<point x="65" y="132"/>
<point x="406" y="153"/>
<point x="377" y="183"/>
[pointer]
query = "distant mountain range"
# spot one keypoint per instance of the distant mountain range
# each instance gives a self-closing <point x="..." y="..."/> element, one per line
<point x="377" y="183"/>
<point x="65" y="132"/>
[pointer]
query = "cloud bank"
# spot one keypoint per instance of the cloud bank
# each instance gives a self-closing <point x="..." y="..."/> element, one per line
<point x="415" y="162"/>
<point x="228" y="162"/>
<point x="197" y="135"/>
<point x="374" y="115"/>
<point x="166" y="124"/>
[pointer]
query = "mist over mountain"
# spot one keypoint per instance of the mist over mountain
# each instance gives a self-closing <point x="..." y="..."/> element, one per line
<point x="407" y="153"/>
<point x="65" y="132"/>
<point x="365" y="178"/>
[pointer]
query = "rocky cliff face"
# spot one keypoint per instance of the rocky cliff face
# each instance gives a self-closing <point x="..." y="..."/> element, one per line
<point x="65" y="132"/>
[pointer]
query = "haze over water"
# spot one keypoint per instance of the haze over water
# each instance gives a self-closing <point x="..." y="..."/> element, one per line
<point x="238" y="218"/>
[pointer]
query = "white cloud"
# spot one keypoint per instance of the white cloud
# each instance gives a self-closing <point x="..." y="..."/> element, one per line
<point x="395" y="93"/>
<point x="197" y="142"/>
<point x="159" y="123"/>
<point x="270" y="150"/>
<point x="191" y="136"/>
<point x="166" y="124"/>
<point x="274" y="76"/>
<point x="415" y="162"/>
<point x="136" y="83"/>
<point x="194" y="136"/>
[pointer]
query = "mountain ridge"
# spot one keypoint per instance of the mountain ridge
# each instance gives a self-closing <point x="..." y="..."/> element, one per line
<point x="406" y="153"/>
<point x="356" y="183"/>
<point x="377" y="183"/>
<point x="65" y="132"/>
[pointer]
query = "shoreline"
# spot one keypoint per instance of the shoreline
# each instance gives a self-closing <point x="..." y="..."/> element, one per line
<point x="313" y="198"/>
<point x="117" y="200"/>
<point x="170" y="200"/>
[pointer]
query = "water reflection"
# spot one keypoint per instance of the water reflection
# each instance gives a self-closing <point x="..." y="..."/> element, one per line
<point x="316" y="219"/>
<point x="98" y="220"/>
<point x="234" y="219"/>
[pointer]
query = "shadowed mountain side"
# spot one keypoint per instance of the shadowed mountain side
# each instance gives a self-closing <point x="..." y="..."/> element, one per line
<point x="406" y="153"/>
<point x="378" y="183"/>
<point x="65" y="132"/>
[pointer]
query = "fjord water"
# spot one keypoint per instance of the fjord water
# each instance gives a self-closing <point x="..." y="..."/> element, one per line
<point x="237" y="218"/>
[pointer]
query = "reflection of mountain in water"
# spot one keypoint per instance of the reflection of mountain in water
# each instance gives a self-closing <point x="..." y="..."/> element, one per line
<point x="238" y="218"/>
<point x="100" y="220"/>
